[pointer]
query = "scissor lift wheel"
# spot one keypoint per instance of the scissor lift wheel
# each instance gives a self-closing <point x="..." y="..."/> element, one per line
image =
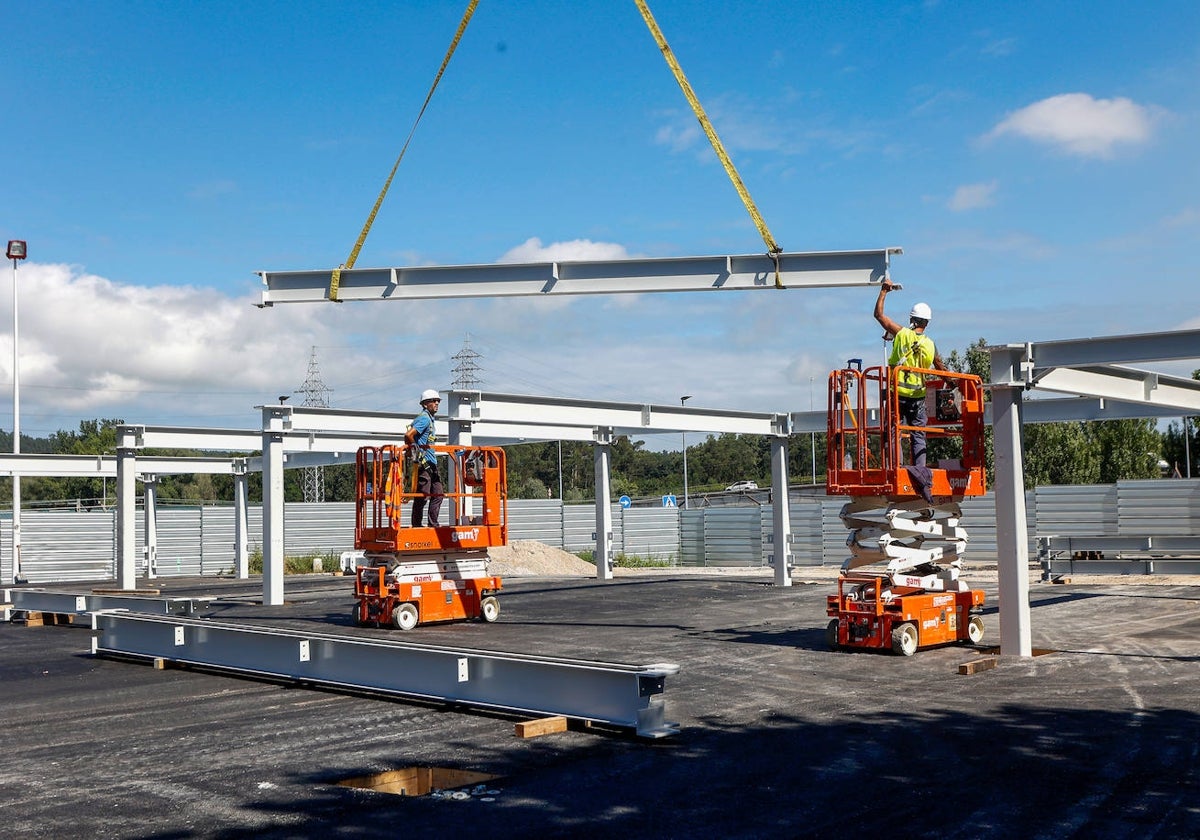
<point x="975" y="629"/>
<point x="489" y="608"/>
<point x="904" y="639"/>
<point x="405" y="616"/>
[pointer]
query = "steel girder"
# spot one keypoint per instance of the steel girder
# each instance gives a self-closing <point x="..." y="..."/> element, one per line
<point x="582" y="277"/>
<point x="67" y="603"/>
<point x="616" y="694"/>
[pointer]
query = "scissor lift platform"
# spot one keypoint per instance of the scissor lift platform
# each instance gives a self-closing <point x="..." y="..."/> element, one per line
<point x="413" y="575"/>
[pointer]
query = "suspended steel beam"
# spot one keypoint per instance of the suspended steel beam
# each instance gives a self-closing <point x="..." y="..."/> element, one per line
<point x="617" y="694"/>
<point x="583" y="277"/>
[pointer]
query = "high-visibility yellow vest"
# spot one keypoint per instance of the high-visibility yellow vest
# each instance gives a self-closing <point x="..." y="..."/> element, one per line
<point x="911" y="349"/>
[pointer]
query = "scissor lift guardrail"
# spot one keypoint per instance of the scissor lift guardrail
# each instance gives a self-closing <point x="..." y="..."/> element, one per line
<point x="627" y="696"/>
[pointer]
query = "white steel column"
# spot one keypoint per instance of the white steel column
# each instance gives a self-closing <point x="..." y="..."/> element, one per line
<point x="241" y="541"/>
<point x="602" y="450"/>
<point x="150" y="524"/>
<point x="275" y="419"/>
<point x="781" y="521"/>
<point x="1012" y="532"/>
<point x="126" y="508"/>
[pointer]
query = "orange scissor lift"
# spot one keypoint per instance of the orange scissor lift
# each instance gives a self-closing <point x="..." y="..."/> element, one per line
<point x="919" y="600"/>
<point x="413" y="575"/>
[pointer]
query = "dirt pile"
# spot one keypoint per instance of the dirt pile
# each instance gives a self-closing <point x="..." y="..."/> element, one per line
<point x="529" y="558"/>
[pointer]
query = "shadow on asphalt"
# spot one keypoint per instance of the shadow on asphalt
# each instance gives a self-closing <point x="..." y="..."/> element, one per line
<point x="1021" y="772"/>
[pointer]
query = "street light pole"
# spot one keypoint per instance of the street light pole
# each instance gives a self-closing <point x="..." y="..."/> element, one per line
<point x="814" y="434"/>
<point x="16" y="251"/>
<point x="683" y="401"/>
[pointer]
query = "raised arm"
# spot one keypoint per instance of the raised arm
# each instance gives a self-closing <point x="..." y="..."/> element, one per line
<point x="887" y="323"/>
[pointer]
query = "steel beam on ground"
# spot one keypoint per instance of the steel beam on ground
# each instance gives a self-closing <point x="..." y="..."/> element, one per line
<point x="583" y="277"/>
<point x="609" y="693"/>
<point x="67" y="603"/>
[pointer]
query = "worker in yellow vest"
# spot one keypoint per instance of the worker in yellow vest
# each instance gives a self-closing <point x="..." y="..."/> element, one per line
<point x="911" y="347"/>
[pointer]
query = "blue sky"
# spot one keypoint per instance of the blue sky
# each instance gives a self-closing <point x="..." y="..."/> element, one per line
<point x="1036" y="161"/>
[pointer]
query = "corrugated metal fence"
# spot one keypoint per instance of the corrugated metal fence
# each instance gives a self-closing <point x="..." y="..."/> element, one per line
<point x="76" y="546"/>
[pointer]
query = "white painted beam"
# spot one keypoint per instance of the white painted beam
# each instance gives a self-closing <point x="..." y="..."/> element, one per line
<point x="583" y="277"/>
<point x="1126" y="384"/>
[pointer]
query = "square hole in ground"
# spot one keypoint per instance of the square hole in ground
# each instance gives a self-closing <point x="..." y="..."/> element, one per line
<point x="417" y="781"/>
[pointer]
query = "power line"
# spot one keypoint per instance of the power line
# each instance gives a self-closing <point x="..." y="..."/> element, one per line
<point x="466" y="367"/>
<point x="314" y="391"/>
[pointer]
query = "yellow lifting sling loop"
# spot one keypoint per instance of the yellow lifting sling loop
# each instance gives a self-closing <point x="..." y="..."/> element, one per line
<point x="773" y="250"/>
<point x="335" y="280"/>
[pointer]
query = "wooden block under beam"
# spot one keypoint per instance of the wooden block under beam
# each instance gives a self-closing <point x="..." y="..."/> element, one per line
<point x="541" y="726"/>
<point x="978" y="665"/>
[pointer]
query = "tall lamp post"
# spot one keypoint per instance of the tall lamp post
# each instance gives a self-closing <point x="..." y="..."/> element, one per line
<point x="814" y="434"/>
<point x="16" y="251"/>
<point x="683" y="401"/>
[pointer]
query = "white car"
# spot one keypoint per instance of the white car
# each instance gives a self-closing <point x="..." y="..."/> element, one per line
<point x="742" y="485"/>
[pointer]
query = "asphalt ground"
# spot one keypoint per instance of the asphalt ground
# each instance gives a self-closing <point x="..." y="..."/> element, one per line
<point x="780" y="737"/>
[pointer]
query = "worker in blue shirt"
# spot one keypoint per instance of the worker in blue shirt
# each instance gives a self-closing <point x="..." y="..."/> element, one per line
<point x="421" y="437"/>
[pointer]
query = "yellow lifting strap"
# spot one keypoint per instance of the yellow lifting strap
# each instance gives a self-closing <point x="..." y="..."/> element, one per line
<point x="336" y="279"/>
<point x="772" y="248"/>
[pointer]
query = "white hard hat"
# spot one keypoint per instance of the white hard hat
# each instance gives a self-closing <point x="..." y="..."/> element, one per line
<point x="922" y="311"/>
<point x="430" y="394"/>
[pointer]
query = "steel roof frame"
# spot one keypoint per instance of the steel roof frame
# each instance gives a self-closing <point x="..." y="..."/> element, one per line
<point x="1085" y="366"/>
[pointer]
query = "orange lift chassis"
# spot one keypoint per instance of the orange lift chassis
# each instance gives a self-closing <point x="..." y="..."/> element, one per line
<point x="413" y="575"/>
<point x="918" y="600"/>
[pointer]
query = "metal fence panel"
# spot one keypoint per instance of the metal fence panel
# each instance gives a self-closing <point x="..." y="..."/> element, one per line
<point x="318" y="527"/>
<point x="806" y="517"/>
<point x="1158" y="508"/>
<point x="652" y="533"/>
<point x="733" y="536"/>
<point x="1077" y="510"/>
<point x="63" y="545"/>
<point x="691" y="537"/>
<point x="579" y="528"/>
<point x="68" y="546"/>
<point x="538" y="519"/>
<point x="180" y="549"/>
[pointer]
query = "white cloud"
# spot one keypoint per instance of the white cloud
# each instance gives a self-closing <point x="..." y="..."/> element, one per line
<point x="973" y="196"/>
<point x="1080" y="125"/>
<point x="92" y="347"/>
<point x="532" y="250"/>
